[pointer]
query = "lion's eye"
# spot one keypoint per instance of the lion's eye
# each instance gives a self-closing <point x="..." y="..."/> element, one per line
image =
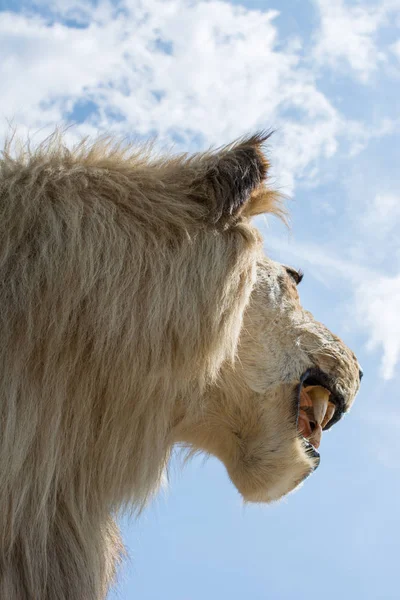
<point x="297" y="276"/>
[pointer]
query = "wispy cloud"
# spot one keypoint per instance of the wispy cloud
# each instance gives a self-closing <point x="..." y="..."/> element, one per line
<point x="395" y="48"/>
<point x="374" y="299"/>
<point x="194" y="73"/>
<point x="382" y="215"/>
<point x="376" y="307"/>
<point x="348" y="34"/>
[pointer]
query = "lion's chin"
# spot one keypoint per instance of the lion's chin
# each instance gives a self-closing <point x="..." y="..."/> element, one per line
<point x="270" y="480"/>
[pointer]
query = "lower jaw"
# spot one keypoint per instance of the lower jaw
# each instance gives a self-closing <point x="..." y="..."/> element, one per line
<point x="274" y="493"/>
<point x="292" y="475"/>
<point x="311" y="451"/>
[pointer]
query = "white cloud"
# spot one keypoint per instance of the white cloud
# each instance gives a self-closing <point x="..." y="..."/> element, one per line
<point x="395" y="48"/>
<point x="348" y="33"/>
<point x="377" y="307"/>
<point x="193" y="72"/>
<point x="46" y="68"/>
<point x="382" y="215"/>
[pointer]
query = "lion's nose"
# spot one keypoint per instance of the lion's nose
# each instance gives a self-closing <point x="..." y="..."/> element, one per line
<point x="360" y="373"/>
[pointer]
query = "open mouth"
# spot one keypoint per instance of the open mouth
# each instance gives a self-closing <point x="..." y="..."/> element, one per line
<point x="319" y="406"/>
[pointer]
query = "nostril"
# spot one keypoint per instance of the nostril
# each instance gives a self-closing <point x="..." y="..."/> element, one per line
<point x="360" y="373"/>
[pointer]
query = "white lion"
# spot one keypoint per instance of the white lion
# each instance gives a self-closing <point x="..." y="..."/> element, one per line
<point x="137" y="312"/>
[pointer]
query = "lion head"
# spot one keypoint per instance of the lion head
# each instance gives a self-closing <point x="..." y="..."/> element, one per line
<point x="138" y="311"/>
<point x="292" y="379"/>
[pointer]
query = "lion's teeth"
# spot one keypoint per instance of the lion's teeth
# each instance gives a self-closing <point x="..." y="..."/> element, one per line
<point x="320" y="405"/>
<point x="330" y="411"/>
<point x="320" y="401"/>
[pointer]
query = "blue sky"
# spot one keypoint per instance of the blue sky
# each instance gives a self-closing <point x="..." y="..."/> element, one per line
<point x="325" y="74"/>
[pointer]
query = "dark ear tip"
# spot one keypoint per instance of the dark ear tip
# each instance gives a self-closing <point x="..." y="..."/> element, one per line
<point x="255" y="145"/>
<point x="257" y="141"/>
<point x="259" y="138"/>
<point x="233" y="174"/>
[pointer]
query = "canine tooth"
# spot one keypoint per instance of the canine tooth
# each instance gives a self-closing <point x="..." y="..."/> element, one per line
<point x="320" y="401"/>
<point x="315" y="437"/>
<point x="330" y="411"/>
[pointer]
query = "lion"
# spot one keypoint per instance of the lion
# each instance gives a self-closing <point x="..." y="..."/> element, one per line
<point x="139" y="312"/>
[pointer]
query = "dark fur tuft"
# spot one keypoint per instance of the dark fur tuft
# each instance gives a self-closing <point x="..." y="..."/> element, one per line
<point x="230" y="175"/>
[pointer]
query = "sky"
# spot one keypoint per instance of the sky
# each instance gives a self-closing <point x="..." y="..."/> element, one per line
<point x="325" y="75"/>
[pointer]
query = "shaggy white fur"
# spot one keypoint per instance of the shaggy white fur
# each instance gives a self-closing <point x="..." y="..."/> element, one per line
<point x="137" y="311"/>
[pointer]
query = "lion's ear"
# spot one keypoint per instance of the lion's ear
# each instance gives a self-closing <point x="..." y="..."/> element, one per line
<point x="227" y="178"/>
